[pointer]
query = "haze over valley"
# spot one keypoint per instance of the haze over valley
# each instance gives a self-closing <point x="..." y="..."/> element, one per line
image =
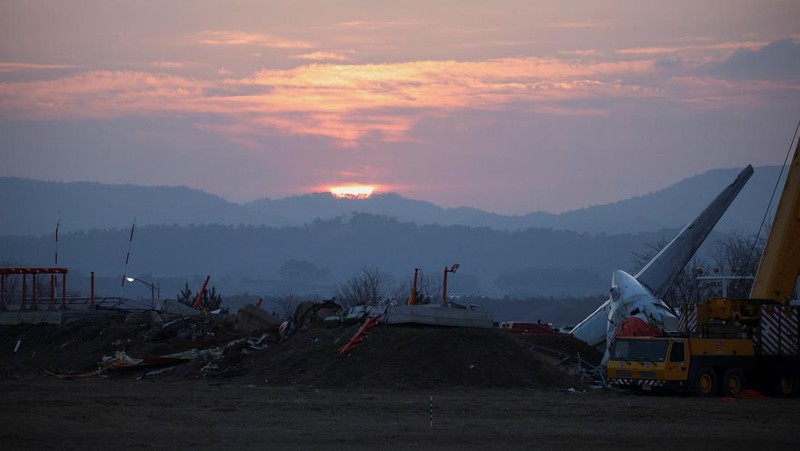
<point x="308" y="245"/>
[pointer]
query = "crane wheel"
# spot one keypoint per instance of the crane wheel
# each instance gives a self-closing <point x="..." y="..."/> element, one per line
<point x="785" y="385"/>
<point x="733" y="382"/>
<point x="706" y="382"/>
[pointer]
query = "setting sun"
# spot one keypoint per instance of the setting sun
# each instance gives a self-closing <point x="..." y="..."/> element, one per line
<point x="352" y="191"/>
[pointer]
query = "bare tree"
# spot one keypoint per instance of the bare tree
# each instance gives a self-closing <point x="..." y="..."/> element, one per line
<point x="369" y="287"/>
<point x="429" y="289"/>
<point x="287" y="304"/>
<point x="737" y="255"/>
<point x="687" y="289"/>
<point x="734" y="255"/>
<point x="12" y="289"/>
<point x="402" y="290"/>
<point x="640" y="259"/>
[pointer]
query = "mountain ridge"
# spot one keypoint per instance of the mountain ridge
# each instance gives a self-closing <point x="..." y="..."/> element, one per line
<point x="95" y="205"/>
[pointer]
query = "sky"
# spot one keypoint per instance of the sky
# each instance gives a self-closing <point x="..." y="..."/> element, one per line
<point x="510" y="106"/>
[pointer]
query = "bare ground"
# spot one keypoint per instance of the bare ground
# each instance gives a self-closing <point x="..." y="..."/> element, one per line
<point x="490" y="390"/>
<point x="47" y="413"/>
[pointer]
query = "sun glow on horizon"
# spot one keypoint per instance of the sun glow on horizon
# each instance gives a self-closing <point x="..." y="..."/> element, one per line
<point x="352" y="191"/>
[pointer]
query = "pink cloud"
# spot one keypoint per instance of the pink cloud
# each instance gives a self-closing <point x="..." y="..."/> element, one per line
<point x="321" y="56"/>
<point x="98" y="94"/>
<point x="376" y="25"/>
<point x="19" y="67"/>
<point x="698" y="53"/>
<point x="234" y="37"/>
<point x="354" y="102"/>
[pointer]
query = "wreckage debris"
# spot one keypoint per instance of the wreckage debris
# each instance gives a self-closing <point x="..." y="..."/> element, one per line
<point x="362" y="333"/>
<point x="247" y="346"/>
<point x="251" y="319"/>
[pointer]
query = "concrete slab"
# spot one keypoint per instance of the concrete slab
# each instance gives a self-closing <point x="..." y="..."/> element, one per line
<point x="437" y="315"/>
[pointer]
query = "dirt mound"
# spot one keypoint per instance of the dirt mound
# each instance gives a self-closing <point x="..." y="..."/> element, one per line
<point x="393" y="357"/>
<point x="404" y="357"/>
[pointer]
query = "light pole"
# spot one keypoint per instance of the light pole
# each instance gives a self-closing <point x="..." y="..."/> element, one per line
<point x="452" y="269"/>
<point x="150" y="285"/>
<point x="412" y="299"/>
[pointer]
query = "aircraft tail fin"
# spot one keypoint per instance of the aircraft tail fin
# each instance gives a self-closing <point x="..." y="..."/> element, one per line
<point x="661" y="271"/>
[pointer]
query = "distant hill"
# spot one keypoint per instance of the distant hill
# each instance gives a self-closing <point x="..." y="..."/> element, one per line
<point x="314" y="258"/>
<point x="678" y="204"/>
<point x="34" y="207"/>
<point x="672" y="207"/>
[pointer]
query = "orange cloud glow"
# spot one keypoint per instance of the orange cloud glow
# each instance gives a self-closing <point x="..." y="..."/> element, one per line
<point x="353" y="102"/>
<point x="321" y="56"/>
<point x="98" y="94"/>
<point x="233" y="37"/>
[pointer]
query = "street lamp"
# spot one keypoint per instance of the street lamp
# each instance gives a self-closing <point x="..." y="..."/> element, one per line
<point x="149" y="285"/>
<point x="452" y="269"/>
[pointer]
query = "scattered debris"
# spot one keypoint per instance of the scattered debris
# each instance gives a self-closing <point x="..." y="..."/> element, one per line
<point x="247" y="346"/>
<point x="251" y="319"/>
<point x="362" y="332"/>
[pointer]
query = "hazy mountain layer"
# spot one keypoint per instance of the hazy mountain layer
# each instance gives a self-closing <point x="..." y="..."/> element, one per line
<point x="34" y="208"/>
<point x="316" y="257"/>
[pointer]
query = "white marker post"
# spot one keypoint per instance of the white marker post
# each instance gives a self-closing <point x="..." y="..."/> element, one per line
<point x="431" y="412"/>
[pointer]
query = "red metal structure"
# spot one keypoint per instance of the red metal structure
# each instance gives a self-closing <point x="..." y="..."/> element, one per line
<point x="33" y="272"/>
<point x="412" y="299"/>
<point x="198" y="302"/>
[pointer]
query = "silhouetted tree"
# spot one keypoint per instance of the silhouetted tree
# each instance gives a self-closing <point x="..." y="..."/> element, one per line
<point x="733" y="255"/>
<point x="737" y="255"/>
<point x="211" y="300"/>
<point x="185" y="296"/>
<point x="427" y="289"/>
<point x="288" y="304"/>
<point x="369" y="287"/>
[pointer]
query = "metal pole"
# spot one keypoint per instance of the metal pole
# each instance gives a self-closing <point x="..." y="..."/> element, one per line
<point x="91" y="296"/>
<point x="24" y="290"/>
<point x="52" y="291"/>
<point x="444" y="287"/>
<point x="64" y="289"/>
<point x="413" y="298"/>
<point x="33" y="292"/>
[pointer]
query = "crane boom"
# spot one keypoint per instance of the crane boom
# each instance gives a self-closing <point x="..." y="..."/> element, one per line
<point x="727" y="345"/>
<point x="780" y="264"/>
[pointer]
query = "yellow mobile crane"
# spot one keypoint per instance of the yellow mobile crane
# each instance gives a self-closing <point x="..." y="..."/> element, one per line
<point x="728" y="345"/>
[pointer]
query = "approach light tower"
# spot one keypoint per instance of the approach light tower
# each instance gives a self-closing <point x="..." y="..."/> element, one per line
<point x="452" y="269"/>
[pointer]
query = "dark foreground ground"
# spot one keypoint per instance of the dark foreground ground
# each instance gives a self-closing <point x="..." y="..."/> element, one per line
<point x="40" y="412"/>
<point x="490" y="389"/>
